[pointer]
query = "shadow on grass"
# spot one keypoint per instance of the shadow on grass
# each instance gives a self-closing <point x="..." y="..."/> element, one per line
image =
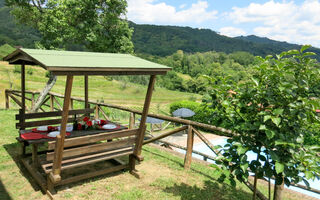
<point x="4" y="195"/>
<point x="210" y="190"/>
<point x="14" y="148"/>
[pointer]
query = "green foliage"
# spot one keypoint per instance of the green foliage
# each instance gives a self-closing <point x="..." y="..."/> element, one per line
<point x="95" y="24"/>
<point x="272" y="114"/>
<point x="5" y="50"/>
<point x="17" y="69"/>
<point x="166" y="40"/>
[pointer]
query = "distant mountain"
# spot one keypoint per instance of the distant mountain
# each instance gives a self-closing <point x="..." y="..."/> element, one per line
<point x="158" y="40"/>
<point x="165" y="40"/>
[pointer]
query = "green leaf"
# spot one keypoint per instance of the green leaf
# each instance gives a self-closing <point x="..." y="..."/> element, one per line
<point x="262" y="127"/>
<point x="309" y="54"/>
<point x="266" y="118"/>
<point x="276" y="120"/>
<point x="270" y="134"/>
<point x="304" y="47"/>
<point x="244" y="167"/>
<point x="277" y="111"/>
<point x="256" y="81"/>
<point x="309" y="175"/>
<point x="274" y="156"/>
<point x="241" y="150"/>
<point x="279" y="167"/>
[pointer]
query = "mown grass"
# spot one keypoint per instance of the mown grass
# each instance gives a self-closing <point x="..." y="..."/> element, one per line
<point x="162" y="177"/>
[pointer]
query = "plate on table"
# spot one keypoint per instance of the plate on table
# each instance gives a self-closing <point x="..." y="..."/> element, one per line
<point x="42" y="128"/>
<point x="109" y="126"/>
<point x="53" y="134"/>
<point x="68" y="129"/>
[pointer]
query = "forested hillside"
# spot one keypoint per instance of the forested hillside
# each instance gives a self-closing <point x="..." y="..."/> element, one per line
<point x="158" y="40"/>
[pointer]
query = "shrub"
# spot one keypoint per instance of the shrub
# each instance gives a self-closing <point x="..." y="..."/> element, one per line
<point x="17" y="69"/>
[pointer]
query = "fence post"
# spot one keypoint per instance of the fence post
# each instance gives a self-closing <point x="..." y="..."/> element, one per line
<point x="97" y="112"/>
<point x="7" y="99"/>
<point x="131" y="121"/>
<point x="188" y="157"/>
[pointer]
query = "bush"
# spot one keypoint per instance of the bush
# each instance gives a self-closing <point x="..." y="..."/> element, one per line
<point x="29" y="71"/>
<point x="17" y="69"/>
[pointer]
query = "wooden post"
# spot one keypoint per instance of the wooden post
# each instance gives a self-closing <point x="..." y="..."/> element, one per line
<point x="32" y="100"/>
<point x="86" y="94"/>
<point x="71" y="104"/>
<point x="188" y="157"/>
<point x="132" y="121"/>
<point x="23" y="94"/>
<point x="58" y="151"/>
<point x="51" y="103"/>
<point x="142" y="127"/>
<point x="278" y="190"/>
<point x="96" y="116"/>
<point x="7" y="100"/>
<point x="35" y="160"/>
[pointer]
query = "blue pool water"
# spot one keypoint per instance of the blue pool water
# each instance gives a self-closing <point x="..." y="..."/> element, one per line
<point x="201" y="147"/>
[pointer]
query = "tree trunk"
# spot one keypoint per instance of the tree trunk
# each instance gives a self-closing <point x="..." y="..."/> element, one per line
<point x="278" y="188"/>
<point x="52" y="80"/>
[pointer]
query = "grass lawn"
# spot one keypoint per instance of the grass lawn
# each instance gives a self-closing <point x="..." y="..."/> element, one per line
<point x="162" y="177"/>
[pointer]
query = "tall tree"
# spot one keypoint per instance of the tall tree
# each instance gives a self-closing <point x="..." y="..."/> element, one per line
<point x="99" y="25"/>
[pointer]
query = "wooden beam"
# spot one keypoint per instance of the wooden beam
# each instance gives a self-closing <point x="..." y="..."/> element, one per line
<point x="206" y="141"/>
<point x="51" y="102"/>
<point x="132" y="121"/>
<point x="23" y="94"/>
<point x="103" y="113"/>
<point x="7" y="99"/>
<point x="165" y="135"/>
<point x="57" y="102"/>
<point x="60" y="138"/>
<point x="142" y="126"/>
<point x="35" y="174"/>
<point x="92" y="174"/>
<point x="94" y="138"/>
<point x="86" y="91"/>
<point x="53" y="114"/>
<point x="188" y="157"/>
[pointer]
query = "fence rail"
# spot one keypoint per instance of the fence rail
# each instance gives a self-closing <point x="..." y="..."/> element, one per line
<point x="188" y="125"/>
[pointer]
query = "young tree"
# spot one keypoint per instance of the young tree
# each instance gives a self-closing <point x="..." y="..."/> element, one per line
<point x="99" y="25"/>
<point x="272" y="114"/>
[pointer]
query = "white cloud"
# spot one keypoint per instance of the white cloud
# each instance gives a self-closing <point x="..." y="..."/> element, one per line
<point x="231" y="31"/>
<point x="151" y="11"/>
<point x="282" y="20"/>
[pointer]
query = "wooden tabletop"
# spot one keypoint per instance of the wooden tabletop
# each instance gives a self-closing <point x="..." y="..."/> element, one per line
<point x="72" y="134"/>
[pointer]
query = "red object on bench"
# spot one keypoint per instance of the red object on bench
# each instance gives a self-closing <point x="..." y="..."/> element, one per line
<point x="36" y="136"/>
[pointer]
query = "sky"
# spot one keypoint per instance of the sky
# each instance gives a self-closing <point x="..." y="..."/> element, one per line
<point x="295" y="21"/>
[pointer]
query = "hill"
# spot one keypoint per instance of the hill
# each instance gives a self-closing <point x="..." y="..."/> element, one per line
<point x="158" y="40"/>
<point x="165" y="40"/>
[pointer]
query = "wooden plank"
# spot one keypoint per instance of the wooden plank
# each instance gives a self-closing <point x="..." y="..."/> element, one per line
<point x="89" y="159"/>
<point x="60" y="138"/>
<point x="16" y="100"/>
<point x="35" y="174"/>
<point x="86" y="91"/>
<point x="42" y="123"/>
<point x="54" y="114"/>
<point x="94" y="138"/>
<point x="145" y="111"/>
<point x="132" y="121"/>
<point x="35" y="159"/>
<point x="92" y="174"/>
<point x="23" y="88"/>
<point x="165" y="135"/>
<point x="188" y="157"/>
<point x="94" y="148"/>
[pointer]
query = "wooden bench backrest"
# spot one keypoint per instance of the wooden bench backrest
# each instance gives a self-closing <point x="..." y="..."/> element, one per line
<point x="93" y="143"/>
<point x="22" y="124"/>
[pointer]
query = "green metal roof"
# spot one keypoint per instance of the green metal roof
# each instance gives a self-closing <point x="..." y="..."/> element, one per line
<point x="72" y="61"/>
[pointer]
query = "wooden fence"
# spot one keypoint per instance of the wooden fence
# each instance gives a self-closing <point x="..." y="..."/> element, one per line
<point x="51" y="101"/>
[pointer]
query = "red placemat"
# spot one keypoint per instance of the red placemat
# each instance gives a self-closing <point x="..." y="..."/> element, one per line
<point x="37" y="136"/>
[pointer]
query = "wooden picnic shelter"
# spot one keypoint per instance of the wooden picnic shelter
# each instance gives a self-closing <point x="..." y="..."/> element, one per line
<point x="80" y="147"/>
